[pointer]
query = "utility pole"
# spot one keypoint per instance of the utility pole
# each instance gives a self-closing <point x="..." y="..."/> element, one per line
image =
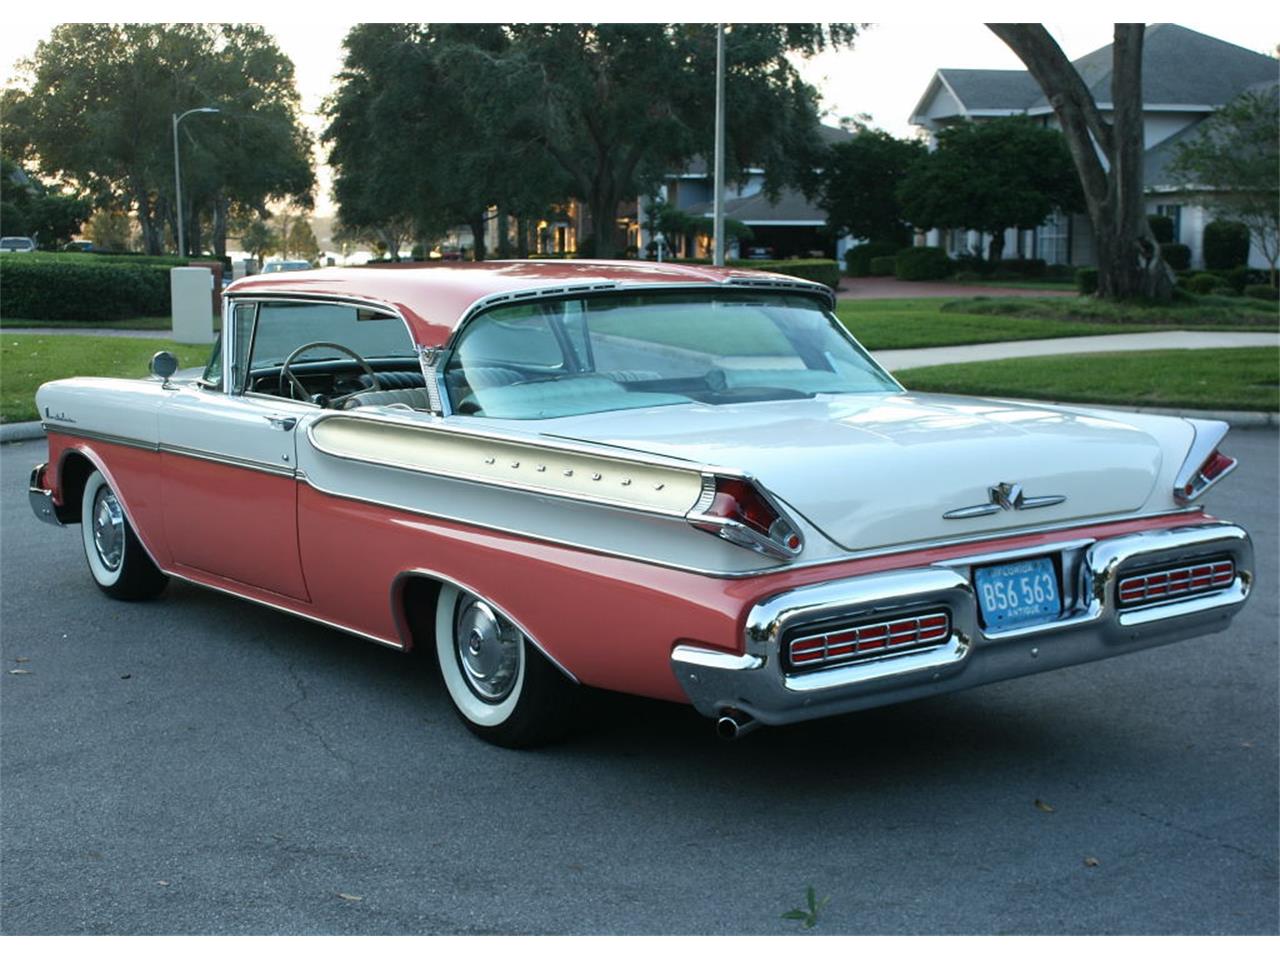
<point x="718" y="235"/>
<point x="177" y="173"/>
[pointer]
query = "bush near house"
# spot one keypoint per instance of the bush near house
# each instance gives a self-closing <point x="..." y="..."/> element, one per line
<point x="1161" y="228"/>
<point x="883" y="266"/>
<point x="1226" y="245"/>
<point x="823" y="271"/>
<point x="1203" y="282"/>
<point x="1087" y="281"/>
<point x="922" y="263"/>
<point x="64" y="287"/>
<point x="1262" y="291"/>
<point x="857" y="260"/>
<point x="1177" y="255"/>
<point x="1019" y="268"/>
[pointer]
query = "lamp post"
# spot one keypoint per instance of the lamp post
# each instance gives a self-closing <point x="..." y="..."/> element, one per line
<point x="177" y="171"/>
<point x="718" y="204"/>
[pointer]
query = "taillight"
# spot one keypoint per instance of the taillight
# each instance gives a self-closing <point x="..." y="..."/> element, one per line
<point x="1217" y="466"/>
<point x="735" y="509"/>
<point x="868" y="640"/>
<point x="1174" y="582"/>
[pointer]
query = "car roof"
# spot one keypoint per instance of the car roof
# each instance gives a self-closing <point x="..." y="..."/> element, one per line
<point x="435" y="297"/>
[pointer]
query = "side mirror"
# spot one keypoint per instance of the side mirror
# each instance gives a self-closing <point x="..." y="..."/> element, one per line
<point x="163" y="365"/>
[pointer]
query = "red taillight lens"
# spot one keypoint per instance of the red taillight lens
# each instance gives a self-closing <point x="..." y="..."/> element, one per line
<point x="1216" y="466"/>
<point x="869" y="640"/>
<point x="1173" y="582"/>
<point x="740" y="501"/>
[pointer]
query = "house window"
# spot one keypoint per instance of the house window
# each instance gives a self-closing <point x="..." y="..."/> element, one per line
<point x="1053" y="239"/>
<point x="1174" y="212"/>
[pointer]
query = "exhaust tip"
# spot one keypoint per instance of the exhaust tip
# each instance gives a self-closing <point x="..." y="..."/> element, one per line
<point x="735" y="724"/>
<point x="727" y="728"/>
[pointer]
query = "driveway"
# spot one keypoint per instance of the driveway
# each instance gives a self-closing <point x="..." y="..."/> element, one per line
<point x="201" y="765"/>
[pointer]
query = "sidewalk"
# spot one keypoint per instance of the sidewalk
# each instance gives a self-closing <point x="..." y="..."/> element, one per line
<point x="162" y="334"/>
<point x="1111" y="343"/>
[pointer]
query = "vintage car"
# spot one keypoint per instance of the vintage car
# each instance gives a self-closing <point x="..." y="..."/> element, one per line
<point x="674" y="481"/>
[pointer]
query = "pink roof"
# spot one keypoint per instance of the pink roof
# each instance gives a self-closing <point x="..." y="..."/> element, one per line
<point x="434" y="297"/>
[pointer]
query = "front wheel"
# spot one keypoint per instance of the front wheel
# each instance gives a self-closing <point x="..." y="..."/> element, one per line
<point x="119" y="564"/>
<point x="502" y="686"/>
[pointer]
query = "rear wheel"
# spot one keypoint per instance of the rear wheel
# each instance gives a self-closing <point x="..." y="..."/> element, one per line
<point x="117" y="561"/>
<point x="501" y="685"/>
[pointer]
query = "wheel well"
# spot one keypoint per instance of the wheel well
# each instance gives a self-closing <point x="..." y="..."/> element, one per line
<point x="72" y="476"/>
<point x="414" y="597"/>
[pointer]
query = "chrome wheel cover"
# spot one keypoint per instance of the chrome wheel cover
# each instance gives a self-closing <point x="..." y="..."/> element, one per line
<point x="488" y="649"/>
<point x="108" y="529"/>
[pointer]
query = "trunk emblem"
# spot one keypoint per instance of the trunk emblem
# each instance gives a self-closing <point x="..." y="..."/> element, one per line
<point x="1003" y="496"/>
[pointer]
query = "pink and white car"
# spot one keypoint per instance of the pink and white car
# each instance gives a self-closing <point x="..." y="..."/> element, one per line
<point x="680" y="482"/>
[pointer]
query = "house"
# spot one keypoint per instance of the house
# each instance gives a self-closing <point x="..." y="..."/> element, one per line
<point x="789" y="225"/>
<point x="1186" y="76"/>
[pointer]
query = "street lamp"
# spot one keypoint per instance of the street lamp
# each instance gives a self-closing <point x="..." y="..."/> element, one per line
<point x="177" y="175"/>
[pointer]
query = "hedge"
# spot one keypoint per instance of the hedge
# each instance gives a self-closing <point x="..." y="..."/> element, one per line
<point x="1226" y="245"/>
<point x="922" y="263"/>
<point x="1020" y="267"/>
<point x="1161" y="228"/>
<point x="1203" y="282"/>
<point x="33" y="287"/>
<point x="1176" y="255"/>
<point x="883" y="266"/>
<point x="1262" y="291"/>
<point x="858" y="259"/>
<point x="1087" y="281"/>
<point x="823" y="271"/>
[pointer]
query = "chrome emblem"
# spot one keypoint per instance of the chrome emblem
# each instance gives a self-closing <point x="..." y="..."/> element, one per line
<point x="1003" y="496"/>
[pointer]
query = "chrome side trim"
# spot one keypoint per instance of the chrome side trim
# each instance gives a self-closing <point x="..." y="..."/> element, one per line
<point x="397" y="611"/>
<point x="104" y="437"/>
<point x="381" y="641"/>
<point x="1093" y="628"/>
<point x="224" y="459"/>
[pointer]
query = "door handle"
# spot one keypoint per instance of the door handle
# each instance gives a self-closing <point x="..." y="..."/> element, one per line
<point x="282" y="423"/>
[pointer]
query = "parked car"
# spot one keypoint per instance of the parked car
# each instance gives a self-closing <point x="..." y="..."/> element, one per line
<point x="285" y="266"/>
<point x="17" y="245"/>
<point x="675" y="481"/>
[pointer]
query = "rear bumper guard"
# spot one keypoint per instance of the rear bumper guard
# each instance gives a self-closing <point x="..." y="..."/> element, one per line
<point x="1092" y="627"/>
<point x="40" y="498"/>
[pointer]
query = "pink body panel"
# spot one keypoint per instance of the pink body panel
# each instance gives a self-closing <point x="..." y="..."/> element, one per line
<point x="611" y="621"/>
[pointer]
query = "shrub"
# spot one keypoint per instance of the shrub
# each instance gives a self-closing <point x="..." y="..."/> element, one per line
<point x="1161" y="228"/>
<point x="1087" y="281"/>
<point x="1262" y="291"/>
<point x="968" y="276"/>
<point x="1064" y="272"/>
<point x="823" y="271"/>
<point x="1021" y="267"/>
<point x="65" y="287"/>
<point x="1177" y="255"/>
<point x="882" y="266"/>
<point x="1241" y="277"/>
<point x="858" y="259"/>
<point x="922" y="263"/>
<point x="1202" y="282"/>
<point x="970" y="263"/>
<point x="1226" y="245"/>
<point x="1224" y="292"/>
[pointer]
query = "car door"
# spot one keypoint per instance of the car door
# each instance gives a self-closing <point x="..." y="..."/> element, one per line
<point x="229" y="487"/>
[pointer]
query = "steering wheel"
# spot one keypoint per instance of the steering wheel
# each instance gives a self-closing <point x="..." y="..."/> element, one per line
<point x="286" y="374"/>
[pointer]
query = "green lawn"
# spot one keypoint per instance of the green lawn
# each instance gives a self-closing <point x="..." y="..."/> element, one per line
<point x="26" y="361"/>
<point x="132" y="323"/>
<point x="1238" y="378"/>
<point x="929" y="322"/>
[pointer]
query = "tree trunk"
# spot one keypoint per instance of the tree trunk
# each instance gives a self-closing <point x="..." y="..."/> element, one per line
<point x="220" y="206"/>
<point x="477" y="238"/>
<point x="504" y="237"/>
<point x="151" y="241"/>
<point x="522" y="238"/>
<point x="1129" y="261"/>
<point x="995" y="251"/>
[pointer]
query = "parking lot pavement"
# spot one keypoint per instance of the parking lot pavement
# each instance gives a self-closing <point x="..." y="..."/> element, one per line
<point x="202" y="765"/>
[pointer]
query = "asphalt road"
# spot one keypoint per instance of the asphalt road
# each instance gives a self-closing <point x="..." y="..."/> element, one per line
<point x="203" y="765"/>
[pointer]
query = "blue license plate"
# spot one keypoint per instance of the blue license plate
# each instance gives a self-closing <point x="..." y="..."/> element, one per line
<point x="1018" y="594"/>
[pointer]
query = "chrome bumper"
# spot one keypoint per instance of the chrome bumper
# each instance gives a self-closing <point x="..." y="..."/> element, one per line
<point x="41" y="500"/>
<point x="1092" y="627"/>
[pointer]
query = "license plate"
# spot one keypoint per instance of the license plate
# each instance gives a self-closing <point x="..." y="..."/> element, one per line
<point x="1018" y="594"/>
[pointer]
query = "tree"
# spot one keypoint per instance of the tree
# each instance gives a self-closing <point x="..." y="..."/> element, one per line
<point x="1107" y="154"/>
<point x="300" y="242"/>
<point x="258" y="239"/>
<point x="97" y="111"/>
<point x="859" y="182"/>
<point x="34" y="209"/>
<point x="1233" y="163"/>
<point x="989" y="176"/>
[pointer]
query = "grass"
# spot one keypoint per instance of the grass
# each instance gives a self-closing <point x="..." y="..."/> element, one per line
<point x="131" y="323"/>
<point x="929" y="322"/>
<point x="1236" y="378"/>
<point x="26" y="361"/>
<point x="1017" y="284"/>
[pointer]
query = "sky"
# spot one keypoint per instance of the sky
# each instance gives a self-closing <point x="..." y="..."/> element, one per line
<point x="884" y="75"/>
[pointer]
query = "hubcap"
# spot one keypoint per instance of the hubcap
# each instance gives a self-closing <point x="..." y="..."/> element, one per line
<point x="108" y="529"/>
<point x="488" y="649"/>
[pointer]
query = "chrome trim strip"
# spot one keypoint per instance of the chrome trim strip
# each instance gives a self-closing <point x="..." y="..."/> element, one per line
<point x="104" y="437"/>
<point x="397" y="611"/>
<point x="226" y="460"/>
<point x="283" y="609"/>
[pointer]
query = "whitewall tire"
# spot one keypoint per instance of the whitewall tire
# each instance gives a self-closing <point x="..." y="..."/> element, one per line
<point x="501" y="685"/>
<point x="117" y="561"/>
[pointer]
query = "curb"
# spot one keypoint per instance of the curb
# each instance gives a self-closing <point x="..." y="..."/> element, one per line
<point x="1241" y="419"/>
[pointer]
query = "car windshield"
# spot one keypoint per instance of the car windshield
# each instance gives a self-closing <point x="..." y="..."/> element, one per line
<point x="588" y="355"/>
